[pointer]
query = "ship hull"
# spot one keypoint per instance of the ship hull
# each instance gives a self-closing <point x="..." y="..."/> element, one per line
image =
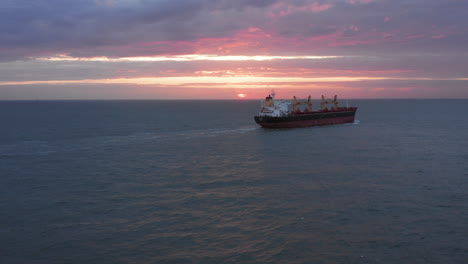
<point x="317" y="118"/>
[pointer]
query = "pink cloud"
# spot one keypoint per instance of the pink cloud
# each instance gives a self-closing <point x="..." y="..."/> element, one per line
<point x="388" y="35"/>
<point x="250" y="40"/>
<point x="438" y="36"/>
<point x="315" y="7"/>
<point x="253" y="33"/>
<point x="354" y="28"/>
<point x="253" y="29"/>
<point x="405" y="89"/>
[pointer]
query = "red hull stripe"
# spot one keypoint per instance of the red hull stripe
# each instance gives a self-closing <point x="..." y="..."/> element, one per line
<point x="309" y="123"/>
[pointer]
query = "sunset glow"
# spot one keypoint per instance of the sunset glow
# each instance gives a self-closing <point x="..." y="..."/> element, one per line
<point x="359" y="48"/>
<point x="192" y="57"/>
<point x="238" y="81"/>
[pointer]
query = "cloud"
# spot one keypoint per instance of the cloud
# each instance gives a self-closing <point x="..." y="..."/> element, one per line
<point x="287" y="8"/>
<point x="145" y="27"/>
<point x="438" y="36"/>
<point x="362" y="2"/>
<point x="381" y="38"/>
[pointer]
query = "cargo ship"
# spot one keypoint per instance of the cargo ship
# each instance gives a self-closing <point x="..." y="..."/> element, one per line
<point x="299" y="113"/>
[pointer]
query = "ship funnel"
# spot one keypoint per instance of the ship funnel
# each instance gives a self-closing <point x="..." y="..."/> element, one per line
<point x="268" y="101"/>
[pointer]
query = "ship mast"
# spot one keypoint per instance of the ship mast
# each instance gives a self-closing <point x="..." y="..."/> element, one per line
<point x="335" y="102"/>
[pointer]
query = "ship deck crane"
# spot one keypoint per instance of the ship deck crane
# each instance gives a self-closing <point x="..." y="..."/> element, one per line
<point x="333" y="102"/>
<point x="297" y="102"/>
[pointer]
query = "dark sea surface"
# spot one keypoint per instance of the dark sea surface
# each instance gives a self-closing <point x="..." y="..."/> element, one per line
<point x="199" y="182"/>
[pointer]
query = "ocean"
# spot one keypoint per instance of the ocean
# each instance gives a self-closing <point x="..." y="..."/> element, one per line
<point x="200" y="182"/>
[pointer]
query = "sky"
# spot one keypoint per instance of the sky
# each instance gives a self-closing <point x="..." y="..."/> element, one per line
<point x="232" y="49"/>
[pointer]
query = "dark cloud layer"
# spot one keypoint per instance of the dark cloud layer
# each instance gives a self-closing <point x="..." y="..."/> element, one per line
<point x="31" y="28"/>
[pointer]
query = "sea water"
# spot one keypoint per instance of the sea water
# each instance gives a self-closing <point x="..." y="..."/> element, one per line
<point x="200" y="182"/>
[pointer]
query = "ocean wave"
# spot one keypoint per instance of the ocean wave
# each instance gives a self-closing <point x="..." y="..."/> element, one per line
<point x="37" y="148"/>
<point x="26" y="148"/>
